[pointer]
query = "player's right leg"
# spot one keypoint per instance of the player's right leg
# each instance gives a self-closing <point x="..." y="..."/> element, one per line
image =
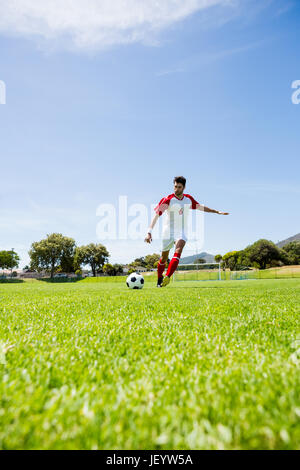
<point x="180" y="244"/>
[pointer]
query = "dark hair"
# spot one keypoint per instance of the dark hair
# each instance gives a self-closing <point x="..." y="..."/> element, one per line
<point x="180" y="179"/>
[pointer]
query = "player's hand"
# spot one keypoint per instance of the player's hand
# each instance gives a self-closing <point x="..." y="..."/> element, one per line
<point x="223" y="213"/>
<point x="148" y="238"/>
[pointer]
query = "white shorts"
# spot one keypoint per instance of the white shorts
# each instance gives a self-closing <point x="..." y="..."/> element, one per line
<point x="168" y="243"/>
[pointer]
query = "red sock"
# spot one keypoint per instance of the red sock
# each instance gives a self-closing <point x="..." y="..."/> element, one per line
<point x="160" y="268"/>
<point x="173" y="264"/>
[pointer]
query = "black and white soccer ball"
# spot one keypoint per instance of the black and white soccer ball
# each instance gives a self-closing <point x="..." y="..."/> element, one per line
<point x="135" y="281"/>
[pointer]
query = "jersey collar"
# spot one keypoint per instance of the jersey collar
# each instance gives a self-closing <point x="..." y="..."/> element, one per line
<point x="178" y="197"/>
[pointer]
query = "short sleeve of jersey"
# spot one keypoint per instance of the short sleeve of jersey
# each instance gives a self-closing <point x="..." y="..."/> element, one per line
<point x="162" y="205"/>
<point x="193" y="201"/>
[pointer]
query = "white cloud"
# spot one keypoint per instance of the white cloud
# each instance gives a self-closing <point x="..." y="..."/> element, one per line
<point x="96" y="24"/>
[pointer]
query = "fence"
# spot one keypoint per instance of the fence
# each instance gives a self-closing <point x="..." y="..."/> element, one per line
<point x="285" y="272"/>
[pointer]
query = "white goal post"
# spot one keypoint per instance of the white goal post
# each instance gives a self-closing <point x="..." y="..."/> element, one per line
<point x="198" y="272"/>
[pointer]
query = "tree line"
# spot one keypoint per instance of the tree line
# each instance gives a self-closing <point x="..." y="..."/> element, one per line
<point x="262" y="254"/>
<point x="148" y="262"/>
<point x="60" y="254"/>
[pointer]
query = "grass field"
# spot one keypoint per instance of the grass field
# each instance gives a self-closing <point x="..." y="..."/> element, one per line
<point x="92" y="365"/>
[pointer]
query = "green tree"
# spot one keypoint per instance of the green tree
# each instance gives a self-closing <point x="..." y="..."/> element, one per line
<point x="286" y="258"/>
<point x="200" y="261"/>
<point x="263" y="252"/>
<point x="291" y="253"/>
<point x="112" y="269"/>
<point x="109" y="269"/>
<point x="94" y="255"/>
<point x="118" y="268"/>
<point x="67" y="263"/>
<point x="152" y="260"/>
<point x="140" y="262"/>
<point x="9" y="259"/>
<point x="49" y="253"/>
<point x="132" y="267"/>
<point x="244" y="258"/>
<point x="230" y="260"/>
<point x="218" y="258"/>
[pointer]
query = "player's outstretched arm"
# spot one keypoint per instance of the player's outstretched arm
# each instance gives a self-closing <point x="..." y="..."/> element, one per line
<point x="148" y="238"/>
<point x="203" y="208"/>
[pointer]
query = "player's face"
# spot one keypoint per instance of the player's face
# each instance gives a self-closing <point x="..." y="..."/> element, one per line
<point x="178" y="189"/>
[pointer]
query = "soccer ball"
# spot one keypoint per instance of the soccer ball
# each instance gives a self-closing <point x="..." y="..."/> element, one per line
<point x="135" y="281"/>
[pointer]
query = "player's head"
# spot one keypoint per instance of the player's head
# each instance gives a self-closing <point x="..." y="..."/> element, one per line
<point x="179" y="185"/>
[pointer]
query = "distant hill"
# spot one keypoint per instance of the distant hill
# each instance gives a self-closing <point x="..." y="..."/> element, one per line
<point x="190" y="259"/>
<point x="289" y="240"/>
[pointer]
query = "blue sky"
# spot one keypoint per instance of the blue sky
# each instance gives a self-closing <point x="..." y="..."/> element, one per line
<point x="95" y="110"/>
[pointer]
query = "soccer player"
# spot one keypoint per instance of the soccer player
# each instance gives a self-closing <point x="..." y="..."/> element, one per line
<point x="176" y="206"/>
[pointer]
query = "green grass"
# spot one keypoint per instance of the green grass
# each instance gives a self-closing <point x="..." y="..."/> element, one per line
<point x="92" y="365"/>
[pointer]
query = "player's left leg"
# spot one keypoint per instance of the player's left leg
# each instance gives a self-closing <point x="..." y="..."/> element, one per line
<point x="167" y="243"/>
<point x="180" y="244"/>
<point x="161" y="267"/>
